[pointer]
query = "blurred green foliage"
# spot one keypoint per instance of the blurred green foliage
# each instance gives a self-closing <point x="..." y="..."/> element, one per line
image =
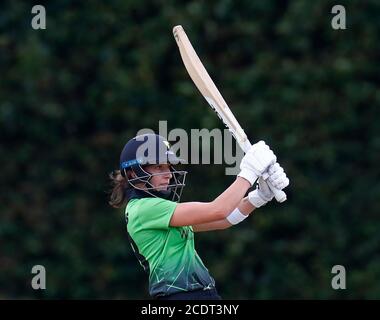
<point x="73" y="94"/>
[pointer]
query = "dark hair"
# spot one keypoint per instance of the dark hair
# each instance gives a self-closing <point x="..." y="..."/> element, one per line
<point x="119" y="184"/>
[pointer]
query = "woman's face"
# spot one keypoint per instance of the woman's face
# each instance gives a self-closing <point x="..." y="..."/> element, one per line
<point x="160" y="181"/>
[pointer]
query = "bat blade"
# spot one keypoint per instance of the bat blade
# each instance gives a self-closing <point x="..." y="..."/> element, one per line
<point x="210" y="92"/>
<point x="206" y="86"/>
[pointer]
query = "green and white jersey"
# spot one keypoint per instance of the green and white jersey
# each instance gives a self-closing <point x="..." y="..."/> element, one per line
<point x="166" y="252"/>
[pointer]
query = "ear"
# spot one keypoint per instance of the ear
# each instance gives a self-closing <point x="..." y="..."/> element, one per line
<point x="131" y="174"/>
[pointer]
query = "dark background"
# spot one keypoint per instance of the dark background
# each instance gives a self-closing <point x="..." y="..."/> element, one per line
<point x="73" y="94"/>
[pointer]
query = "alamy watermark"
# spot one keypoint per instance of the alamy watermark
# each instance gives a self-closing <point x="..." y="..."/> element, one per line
<point x="39" y="20"/>
<point x="338" y="22"/>
<point x="339" y="280"/>
<point x="39" y="280"/>
<point x="201" y="146"/>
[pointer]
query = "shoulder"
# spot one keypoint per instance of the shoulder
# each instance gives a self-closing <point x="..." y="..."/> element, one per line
<point x="150" y="206"/>
<point x="154" y="213"/>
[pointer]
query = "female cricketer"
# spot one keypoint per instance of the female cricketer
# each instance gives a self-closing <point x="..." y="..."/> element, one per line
<point x="161" y="230"/>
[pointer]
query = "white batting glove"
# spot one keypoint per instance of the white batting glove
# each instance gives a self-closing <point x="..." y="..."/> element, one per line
<point x="256" y="161"/>
<point x="277" y="177"/>
<point x="263" y="194"/>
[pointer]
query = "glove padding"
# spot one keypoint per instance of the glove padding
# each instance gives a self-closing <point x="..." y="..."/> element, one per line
<point x="277" y="177"/>
<point x="263" y="194"/>
<point x="256" y="161"/>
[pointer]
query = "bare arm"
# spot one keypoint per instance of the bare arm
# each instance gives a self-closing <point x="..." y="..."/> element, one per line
<point x="194" y="213"/>
<point x="257" y="198"/>
<point x="244" y="206"/>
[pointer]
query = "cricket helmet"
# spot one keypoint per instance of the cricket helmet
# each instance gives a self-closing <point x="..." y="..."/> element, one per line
<point x="148" y="149"/>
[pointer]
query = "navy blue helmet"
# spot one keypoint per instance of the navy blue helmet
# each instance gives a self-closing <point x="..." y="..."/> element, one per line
<point x="148" y="149"/>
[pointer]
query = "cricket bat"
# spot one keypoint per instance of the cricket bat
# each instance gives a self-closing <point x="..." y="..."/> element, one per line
<point x="210" y="92"/>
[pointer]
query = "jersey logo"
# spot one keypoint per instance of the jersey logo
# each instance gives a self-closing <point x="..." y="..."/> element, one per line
<point x="186" y="233"/>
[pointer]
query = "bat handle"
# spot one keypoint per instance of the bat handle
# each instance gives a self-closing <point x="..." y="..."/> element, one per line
<point x="278" y="194"/>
